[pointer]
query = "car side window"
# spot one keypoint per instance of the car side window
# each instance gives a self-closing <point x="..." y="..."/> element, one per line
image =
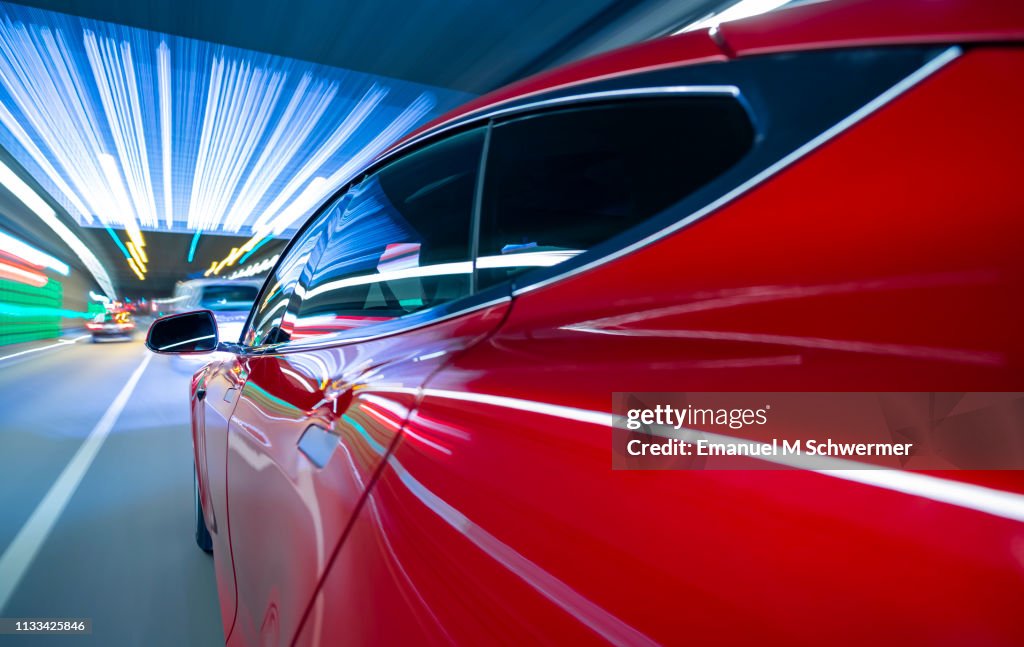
<point x="267" y="324"/>
<point x="401" y="242"/>
<point x="561" y="182"/>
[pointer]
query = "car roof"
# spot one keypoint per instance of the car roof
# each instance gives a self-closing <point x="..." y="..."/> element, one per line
<point x="814" y="24"/>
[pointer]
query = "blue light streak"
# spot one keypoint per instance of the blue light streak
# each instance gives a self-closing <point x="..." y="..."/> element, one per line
<point x="124" y="250"/>
<point x="192" y="247"/>
<point x="249" y="253"/>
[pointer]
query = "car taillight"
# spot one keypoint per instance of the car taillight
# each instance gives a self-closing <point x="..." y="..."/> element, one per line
<point x="93" y="326"/>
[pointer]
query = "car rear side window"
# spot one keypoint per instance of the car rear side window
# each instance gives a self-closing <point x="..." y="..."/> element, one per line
<point x="400" y="244"/>
<point x="561" y="182"/>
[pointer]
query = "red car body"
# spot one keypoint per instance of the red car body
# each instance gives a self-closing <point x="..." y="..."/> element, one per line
<point x="467" y="495"/>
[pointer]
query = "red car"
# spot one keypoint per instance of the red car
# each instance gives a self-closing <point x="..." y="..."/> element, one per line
<point x="411" y="442"/>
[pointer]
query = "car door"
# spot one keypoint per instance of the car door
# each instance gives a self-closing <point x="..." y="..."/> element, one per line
<point x="217" y="387"/>
<point x="371" y="318"/>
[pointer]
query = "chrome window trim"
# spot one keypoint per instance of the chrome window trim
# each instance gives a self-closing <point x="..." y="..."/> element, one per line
<point x="486" y="114"/>
<point x="339" y="338"/>
<point x="929" y="68"/>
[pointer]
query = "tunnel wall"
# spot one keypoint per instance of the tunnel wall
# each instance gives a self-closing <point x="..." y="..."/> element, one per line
<point x="30" y="313"/>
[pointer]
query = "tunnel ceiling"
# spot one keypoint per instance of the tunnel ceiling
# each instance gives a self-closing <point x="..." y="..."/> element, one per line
<point x="466" y="45"/>
<point x="168" y="262"/>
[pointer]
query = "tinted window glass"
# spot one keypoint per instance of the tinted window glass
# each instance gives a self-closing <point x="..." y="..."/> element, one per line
<point x="401" y="242"/>
<point x="559" y="183"/>
<point x="266" y="325"/>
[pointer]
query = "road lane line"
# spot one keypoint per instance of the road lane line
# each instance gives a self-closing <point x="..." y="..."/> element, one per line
<point x="22" y="551"/>
<point x="62" y="342"/>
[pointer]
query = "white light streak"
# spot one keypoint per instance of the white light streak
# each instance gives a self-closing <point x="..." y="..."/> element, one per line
<point x="527" y="259"/>
<point x="239" y="102"/>
<point x="738" y="11"/>
<point x="122" y="203"/>
<point x="163" y="74"/>
<point x="113" y="69"/>
<point x="37" y="205"/>
<point x="1009" y="505"/>
<point x="301" y="115"/>
<point x="352" y="121"/>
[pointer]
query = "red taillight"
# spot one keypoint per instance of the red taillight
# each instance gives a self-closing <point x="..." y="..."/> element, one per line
<point x="93" y="326"/>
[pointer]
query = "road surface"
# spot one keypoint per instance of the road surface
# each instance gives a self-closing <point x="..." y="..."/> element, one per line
<point x="112" y="540"/>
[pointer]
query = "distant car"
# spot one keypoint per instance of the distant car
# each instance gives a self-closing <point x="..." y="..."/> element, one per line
<point x="411" y="445"/>
<point x="229" y="300"/>
<point x="112" y="325"/>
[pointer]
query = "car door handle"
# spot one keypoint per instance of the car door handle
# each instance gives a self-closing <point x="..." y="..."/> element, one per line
<point x="339" y="396"/>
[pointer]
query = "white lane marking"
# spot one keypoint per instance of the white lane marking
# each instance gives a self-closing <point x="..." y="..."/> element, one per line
<point x="998" y="503"/>
<point x="62" y="342"/>
<point x="19" y="555"/>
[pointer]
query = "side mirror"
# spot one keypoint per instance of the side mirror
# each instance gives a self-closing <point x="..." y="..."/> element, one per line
<point x="183" y="334"/>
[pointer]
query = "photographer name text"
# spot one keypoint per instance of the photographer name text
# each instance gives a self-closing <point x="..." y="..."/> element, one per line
<point x="774" y="447"/>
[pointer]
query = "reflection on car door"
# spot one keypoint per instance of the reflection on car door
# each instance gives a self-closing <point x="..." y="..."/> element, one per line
<point x="318" y="413"/>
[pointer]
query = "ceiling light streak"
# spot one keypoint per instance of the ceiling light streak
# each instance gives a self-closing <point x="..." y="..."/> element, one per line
<point x="163" y="73"/>
<point x="8" y="120"/>
<point x="113" y="68"/>
<point x="29" y="66"/>
<point x="359" y="114"/>
<point x="192" y="247"/>
<point x="120" y="245"/>
<point x="135" y="268"/>
<point x="254" y="249"/>
<point x="138" y="254"/>
<point x="122" y="204"/>
<point x="315" y="194"/>
<point x="239" y="105"/>
<point x="300" y="117"/>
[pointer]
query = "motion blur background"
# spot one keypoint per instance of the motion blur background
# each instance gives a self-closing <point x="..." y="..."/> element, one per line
<point x="144" y="144"/>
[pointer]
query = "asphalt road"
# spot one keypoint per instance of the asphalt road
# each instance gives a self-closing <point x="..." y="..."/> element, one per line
<point x="121" y="550"/>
